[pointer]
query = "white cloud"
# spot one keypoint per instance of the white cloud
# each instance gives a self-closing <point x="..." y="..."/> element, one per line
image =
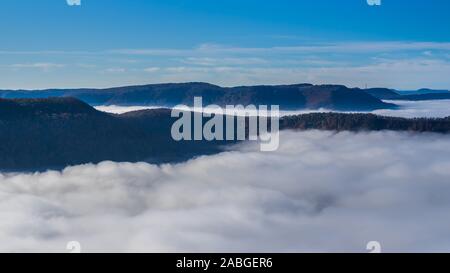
<point x="205" y="61"/>
<point x="408" y="68"/>
<point x="320" y="192"/>
<point x="389" y="73"/>
<point x="337" y="47"/>
<point x="393" y="64"/>
<point x="408" y="73"/>
<point x="47" y="52"/>
<point x="152" y="69"/>
<point x="42" y="66"/>
<point x="331" y="47"/>
<point x="116" y="109"/>
<point x="418" y="109"/>
<point x="115" y="70"/>
<point x="408" y="109"/>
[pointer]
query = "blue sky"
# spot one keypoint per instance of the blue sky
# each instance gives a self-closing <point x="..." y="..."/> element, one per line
<point x="400" y="44"/>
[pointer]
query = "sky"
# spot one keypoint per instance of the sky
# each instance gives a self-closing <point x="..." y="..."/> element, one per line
<point x="399" y="44"/>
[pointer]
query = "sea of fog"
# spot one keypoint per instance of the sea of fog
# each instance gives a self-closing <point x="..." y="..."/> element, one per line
<point x="321" y="191"/>
<point x="408" y="109"/>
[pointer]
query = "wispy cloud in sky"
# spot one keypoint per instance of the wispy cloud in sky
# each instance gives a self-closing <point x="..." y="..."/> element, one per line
<point x="339" y="47"/>
<point x="402" y="65"/>
<point x="213" y="48"/>
<point x="43" y="66"/>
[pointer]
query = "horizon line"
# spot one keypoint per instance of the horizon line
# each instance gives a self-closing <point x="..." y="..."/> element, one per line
<point x="212" y="84"/>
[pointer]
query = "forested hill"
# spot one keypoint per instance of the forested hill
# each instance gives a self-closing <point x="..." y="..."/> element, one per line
<point x="364" y="122"/>
<point x="296" y="96"/>
<point x="39" y="134"/>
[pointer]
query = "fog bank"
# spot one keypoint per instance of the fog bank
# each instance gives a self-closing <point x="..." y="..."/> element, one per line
<point x="408" y="109"/>
<point x="320" y="192"/>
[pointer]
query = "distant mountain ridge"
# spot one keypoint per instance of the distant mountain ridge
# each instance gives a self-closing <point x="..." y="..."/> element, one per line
<point x="19" y="108"/>
<point x="418" y="95"/>
<point x="37" y="134"/>
<point x="383" y="93"/>
<point x="296" y="96"/>
<point x="423" y="91"/>
<point x="41" y="134"/>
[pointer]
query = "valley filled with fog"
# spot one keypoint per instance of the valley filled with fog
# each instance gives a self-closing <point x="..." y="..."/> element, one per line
<point x="224" y="127"/>
<point x="321" y="191"/>
<point x="407" y="109"/>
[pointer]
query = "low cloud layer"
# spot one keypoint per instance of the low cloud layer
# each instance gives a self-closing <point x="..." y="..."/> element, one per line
<point x="421" y="109"/>
<point x="408" y="109"/>
<point x="320" y="192"/>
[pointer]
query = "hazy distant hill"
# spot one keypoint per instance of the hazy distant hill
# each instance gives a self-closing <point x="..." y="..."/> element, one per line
<point x="383" y="93"/>
<point x="418" y="95"/>
<point x="423" y="91"/>
<point x="299" y="96"/>
<point x="289" y="97"/>
<point x="37" y="134"/>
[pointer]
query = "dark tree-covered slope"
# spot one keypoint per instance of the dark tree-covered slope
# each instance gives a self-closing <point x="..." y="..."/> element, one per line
<point x="57" y="132"/>
<point x="364" y="122"/>
<point x="38" y="134"/>
<point x="297" y="96"/>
